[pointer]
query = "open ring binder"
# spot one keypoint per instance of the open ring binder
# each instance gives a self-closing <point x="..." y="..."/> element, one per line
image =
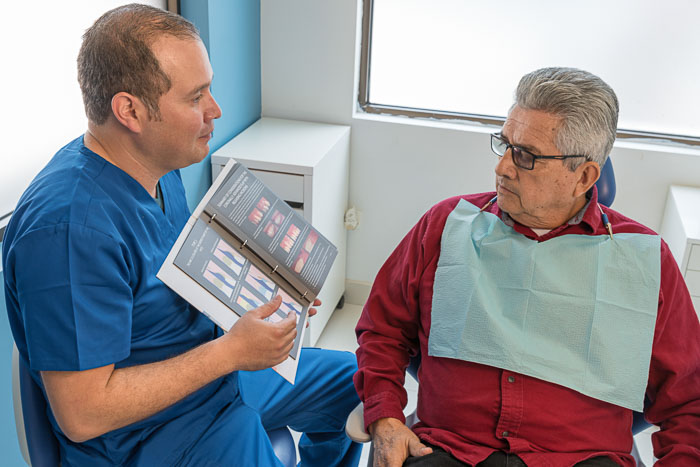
<point x="242" y="246"/>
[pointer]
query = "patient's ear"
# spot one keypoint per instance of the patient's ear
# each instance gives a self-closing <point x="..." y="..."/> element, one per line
<point x="588" y="174"/>
<point x="129" y="111"/>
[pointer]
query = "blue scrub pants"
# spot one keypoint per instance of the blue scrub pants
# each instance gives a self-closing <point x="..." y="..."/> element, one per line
<point x="317" y="405"/>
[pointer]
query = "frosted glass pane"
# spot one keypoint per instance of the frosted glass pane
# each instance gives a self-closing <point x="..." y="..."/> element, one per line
<point x="467" y="56"/>
<point x="43" y="105"/>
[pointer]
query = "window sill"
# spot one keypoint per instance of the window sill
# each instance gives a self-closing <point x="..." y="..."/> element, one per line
<point x="635" y="144"/>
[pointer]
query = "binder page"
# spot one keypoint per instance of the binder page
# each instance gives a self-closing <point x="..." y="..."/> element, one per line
<point x="275" y="231"/>
<point x="218" y="266"/>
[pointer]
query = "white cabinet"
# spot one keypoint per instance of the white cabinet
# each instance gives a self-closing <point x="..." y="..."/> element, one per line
<point x="306" y="164"/>
<point x="681" y="230"/>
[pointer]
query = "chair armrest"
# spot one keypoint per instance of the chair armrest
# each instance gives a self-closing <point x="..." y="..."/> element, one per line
<point x="355" y="425"/>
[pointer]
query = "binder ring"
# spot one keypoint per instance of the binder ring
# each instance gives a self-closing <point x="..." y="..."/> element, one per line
<point x="212" y="217"/>
<point x="243" y="245"/>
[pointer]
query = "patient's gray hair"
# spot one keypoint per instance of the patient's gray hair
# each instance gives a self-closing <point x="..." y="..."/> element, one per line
<point x="587" y="106"/>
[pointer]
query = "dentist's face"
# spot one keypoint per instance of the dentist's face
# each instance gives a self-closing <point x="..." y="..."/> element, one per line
<point x="188" y="110"/>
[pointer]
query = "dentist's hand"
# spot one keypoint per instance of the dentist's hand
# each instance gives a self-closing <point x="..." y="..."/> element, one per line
<point x="256" y="344"/>
<point x="313" y="311"/>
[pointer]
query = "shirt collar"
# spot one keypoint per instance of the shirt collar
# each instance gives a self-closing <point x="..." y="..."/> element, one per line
<point x="588" y="216"/>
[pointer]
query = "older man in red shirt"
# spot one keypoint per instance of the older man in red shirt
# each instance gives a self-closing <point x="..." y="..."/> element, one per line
<point x="543" y="318"/>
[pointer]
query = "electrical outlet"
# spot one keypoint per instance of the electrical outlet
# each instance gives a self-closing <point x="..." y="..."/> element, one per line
<point x="352" y="219"/>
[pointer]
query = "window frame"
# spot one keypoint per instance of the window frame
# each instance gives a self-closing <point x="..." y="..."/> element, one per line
<point x="383" y="109"/>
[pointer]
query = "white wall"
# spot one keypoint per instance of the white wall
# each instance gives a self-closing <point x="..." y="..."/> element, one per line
<point x="400" y="167"/>
<point x="44" y="107"/>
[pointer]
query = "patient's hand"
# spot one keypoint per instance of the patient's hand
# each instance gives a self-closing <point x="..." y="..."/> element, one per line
<point x="394" y="442"/>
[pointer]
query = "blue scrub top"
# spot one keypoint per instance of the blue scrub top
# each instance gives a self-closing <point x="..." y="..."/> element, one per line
<point x="80" y="256"/>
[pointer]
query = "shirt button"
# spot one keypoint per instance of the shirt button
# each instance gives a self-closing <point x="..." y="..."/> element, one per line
<point x="505" y="434"/>
<point x="511" y="379"/>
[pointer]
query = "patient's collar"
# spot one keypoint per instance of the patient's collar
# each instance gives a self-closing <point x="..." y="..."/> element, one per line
<point x="575" y="220"/>
<point x="541" y="232"/>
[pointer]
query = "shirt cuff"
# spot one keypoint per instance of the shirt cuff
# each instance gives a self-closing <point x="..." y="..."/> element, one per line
<point x="382" y="405"/>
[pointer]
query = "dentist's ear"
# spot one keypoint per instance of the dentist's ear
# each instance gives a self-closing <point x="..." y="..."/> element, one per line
<point x="129" y="111"/>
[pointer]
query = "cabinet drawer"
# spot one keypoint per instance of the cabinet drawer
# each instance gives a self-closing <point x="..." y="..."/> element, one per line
<point x="289" y="187"/>
<point x="692" y="280"/>
<point x="694" y="258"/>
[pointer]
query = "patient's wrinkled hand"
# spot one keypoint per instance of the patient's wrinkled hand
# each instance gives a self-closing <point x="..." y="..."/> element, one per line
<point x="394" y="442"/>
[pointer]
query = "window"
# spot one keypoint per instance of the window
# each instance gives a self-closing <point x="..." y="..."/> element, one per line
<point x="462" y="59"/>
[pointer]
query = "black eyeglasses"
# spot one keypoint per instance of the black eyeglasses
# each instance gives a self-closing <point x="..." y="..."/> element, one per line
<point x="521" y="157"/>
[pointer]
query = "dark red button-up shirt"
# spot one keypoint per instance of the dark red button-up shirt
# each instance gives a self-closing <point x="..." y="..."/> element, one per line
<point x="472" y="410"/>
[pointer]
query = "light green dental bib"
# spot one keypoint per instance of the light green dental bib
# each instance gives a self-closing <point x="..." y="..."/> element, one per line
<point x="576" y="310"/>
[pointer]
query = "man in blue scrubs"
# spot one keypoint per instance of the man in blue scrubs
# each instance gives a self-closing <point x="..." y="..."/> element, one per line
<point x="133" y="374"/>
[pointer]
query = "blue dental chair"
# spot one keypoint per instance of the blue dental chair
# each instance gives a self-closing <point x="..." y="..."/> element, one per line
<point x="355" y="427"/>
<point x="39" y="446"/>
<point x="606" y="184"/>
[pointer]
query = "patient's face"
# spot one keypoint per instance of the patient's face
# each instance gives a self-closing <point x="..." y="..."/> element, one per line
<point x="542" y="197"/>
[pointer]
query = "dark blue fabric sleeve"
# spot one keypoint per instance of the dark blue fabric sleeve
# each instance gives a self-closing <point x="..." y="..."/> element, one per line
<point x="73" y="284"/>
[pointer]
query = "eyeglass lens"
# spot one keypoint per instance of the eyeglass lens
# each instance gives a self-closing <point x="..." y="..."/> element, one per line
<point x="521" y="158"/>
